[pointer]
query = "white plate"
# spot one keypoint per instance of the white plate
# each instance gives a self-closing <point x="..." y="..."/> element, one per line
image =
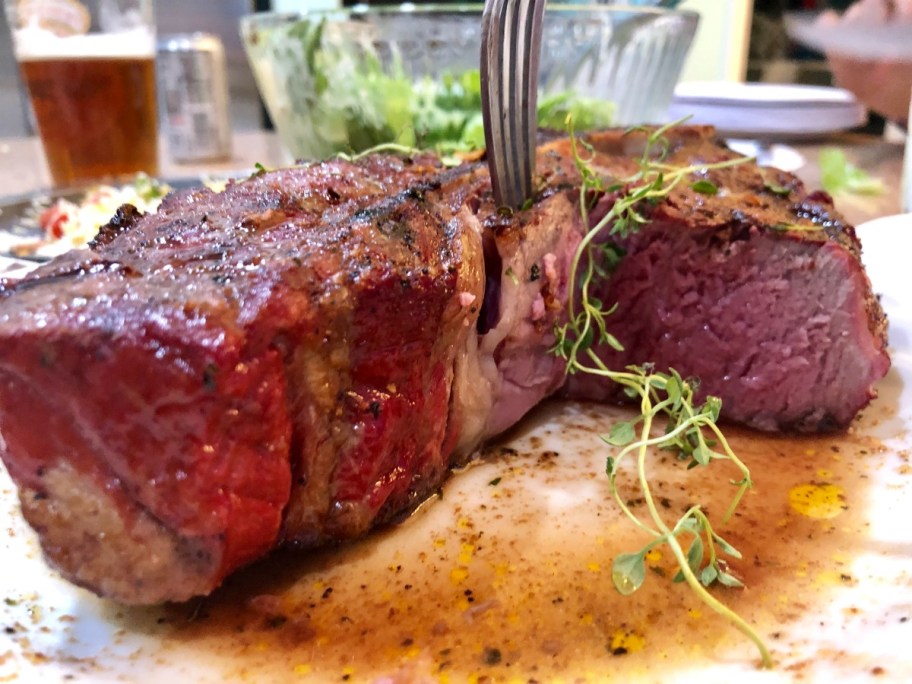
<point x="507" y="574"/>
<point x="767" y="110"/>
<point x="862" y="39"/>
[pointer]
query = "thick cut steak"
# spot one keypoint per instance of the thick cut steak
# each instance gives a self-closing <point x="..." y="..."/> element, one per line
<point x="304" y="355"/>
<point x="271" y="362"/>
<point x="758" y="290"/>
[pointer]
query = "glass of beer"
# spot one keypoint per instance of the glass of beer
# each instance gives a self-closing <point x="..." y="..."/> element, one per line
<point x="89" y="68"/>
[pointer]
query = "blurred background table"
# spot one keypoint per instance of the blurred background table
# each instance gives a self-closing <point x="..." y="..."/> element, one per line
<point x="23" y="170"/>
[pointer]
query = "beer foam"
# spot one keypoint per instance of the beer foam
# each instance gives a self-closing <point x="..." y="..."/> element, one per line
<point x="34" y="42"/>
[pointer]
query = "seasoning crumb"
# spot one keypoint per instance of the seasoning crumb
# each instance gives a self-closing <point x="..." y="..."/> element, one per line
<point x="276" y="621"/>
<point x="491" y="656"/>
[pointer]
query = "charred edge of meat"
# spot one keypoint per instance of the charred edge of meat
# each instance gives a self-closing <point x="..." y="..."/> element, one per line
<point x="817" y="207"/>
<point x="124" y="219"/>
<point x="72" y="269"/>
<point x="413" y="192"/>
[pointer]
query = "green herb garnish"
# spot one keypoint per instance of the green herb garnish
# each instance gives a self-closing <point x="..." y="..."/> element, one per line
<point x="704" y="187"/>
<point x="149" y="189"/>
<point x="690" y="429"/>
<point x="777" y="189"/>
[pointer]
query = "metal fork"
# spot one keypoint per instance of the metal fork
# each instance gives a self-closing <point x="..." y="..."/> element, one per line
<point x="510" y="51"/>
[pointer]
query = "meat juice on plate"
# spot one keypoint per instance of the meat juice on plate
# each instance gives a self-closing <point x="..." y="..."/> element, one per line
<point x="506" y="575"/>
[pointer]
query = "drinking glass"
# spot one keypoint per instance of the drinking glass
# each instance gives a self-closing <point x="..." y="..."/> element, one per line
<point x="89" y="69"/>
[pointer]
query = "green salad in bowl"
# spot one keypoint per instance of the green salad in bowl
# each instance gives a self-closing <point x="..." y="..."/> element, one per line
<point x="349" y="80"/>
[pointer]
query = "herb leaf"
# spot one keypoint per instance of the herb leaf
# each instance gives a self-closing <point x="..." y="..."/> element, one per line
<point x="621" y="434"/>
<point x="704" y="187"/>
<point x="628" y="572"/>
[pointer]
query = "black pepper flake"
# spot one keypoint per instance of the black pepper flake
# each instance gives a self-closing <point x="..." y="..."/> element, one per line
<point x="491" y="656"/>
<point x="619" y="651"/>
<point x="9" y="630"/>
<point x="276" y="621"/>
<point x="534" y="273"/>
<point x="48" y="356"/>
<point x="408" y="641"/>
<point x="327" y="592"/>
<point x="374" y="408"/>
<point x="346" y="677"/>
<point x="210" y="373"/>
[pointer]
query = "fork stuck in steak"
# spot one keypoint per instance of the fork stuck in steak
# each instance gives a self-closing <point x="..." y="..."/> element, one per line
<point x="305" y="355"/>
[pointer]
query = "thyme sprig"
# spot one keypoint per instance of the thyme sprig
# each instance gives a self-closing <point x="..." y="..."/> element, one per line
<point x="690" y="429"/>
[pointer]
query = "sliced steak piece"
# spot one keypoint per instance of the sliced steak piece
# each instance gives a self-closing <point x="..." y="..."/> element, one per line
<point x="757" y="290"/>
<point x="269" y="363"/>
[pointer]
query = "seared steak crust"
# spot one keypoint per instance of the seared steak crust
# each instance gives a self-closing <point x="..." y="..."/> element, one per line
<point x="217" y="375"/>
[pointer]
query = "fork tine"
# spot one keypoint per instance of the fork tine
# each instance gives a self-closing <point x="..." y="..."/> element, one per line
<point x="533" y="15"/>
<point x="511" y="47"/>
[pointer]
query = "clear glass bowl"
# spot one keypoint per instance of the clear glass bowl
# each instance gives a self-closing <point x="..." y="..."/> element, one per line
<point x="346" y="80"/>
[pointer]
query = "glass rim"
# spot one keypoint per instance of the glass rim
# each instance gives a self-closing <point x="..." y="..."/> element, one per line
<point x="462" y="8"/>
